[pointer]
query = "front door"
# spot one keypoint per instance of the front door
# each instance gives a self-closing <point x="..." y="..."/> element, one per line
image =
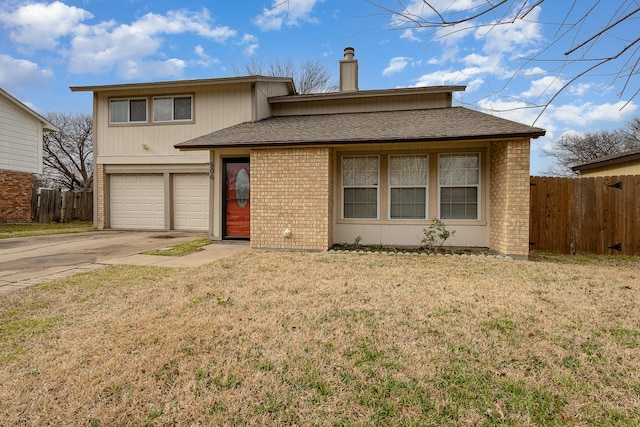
<point x="236" y="208"/>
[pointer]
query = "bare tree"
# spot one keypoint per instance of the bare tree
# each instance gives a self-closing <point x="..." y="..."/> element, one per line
<point x="309" y="76"/>
<point x="68" y="154"/>
<point x="591" y="34"/>
<point x="575" y="149"/>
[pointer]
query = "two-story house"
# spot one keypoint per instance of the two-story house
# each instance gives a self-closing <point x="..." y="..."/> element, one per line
<point x="249" y="158"/>
<point x="21" y="140"/>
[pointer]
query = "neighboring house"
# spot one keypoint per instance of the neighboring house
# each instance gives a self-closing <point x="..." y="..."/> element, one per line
<point x="302" y="172"/>
<point x="21" y="139"/>
<point x="625" y="163"/>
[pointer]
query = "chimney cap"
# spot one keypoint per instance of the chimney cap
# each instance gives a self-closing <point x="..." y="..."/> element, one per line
<point x="349" y="52"/>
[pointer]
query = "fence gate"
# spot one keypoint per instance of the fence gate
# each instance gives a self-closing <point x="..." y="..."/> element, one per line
<point x="585" y="215"/>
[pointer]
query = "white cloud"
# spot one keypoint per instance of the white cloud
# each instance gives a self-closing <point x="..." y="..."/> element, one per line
<point x="409" y="34"/>
<point x="290" y="13"/>
<point x="205" y="59"/>
<point x="512" y="36"/>
<point x="40" y="25"/>
<point x="449" y="77"/>
<point x="250" y="43"/>
<point x="105" y="46"/>
<point x="587" y="113"/>
<point x="535" y="71"/>
<point x="141" y="70"/>
<point x="548" y="85"/>
<point x="20" y="72"/>
<point x="396" y="65"/>
<point x="580" y="88"/>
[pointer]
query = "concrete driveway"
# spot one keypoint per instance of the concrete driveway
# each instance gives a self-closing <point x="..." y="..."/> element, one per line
<point x="29" y="260"/>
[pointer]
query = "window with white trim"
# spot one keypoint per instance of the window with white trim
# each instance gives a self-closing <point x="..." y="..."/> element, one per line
<point x="128" y="110"/>
<point x="172" y="108"/>
<point x="360" y="187"/>
<point x="459" y="185"/>
<point x="408" y="180"/>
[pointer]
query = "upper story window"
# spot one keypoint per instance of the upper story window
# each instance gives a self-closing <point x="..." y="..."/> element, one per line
<point x="128" y="110"/>
<point x="408" y="176"/>
<point x="360" y="187"/>
<point x="172" y="108"/>
<point x="459" y="182"/>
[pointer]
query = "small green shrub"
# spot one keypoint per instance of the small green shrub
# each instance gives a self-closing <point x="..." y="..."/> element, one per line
<point x="435" y="235"/>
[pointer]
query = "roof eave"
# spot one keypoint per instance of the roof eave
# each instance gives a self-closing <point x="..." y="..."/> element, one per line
<point x="270" y="144"/>
<point x="183" y="83"/>
<point x="610" y="162"/>
<point x="366" y="93"/>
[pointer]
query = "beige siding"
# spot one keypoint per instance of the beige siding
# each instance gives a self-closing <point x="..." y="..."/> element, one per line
<point x="20" y="140"/>
<point x="263" y="91"/>
<point x="362" y="104"/>
<point x="214" y="107"/>
<point x="628" y="168"/>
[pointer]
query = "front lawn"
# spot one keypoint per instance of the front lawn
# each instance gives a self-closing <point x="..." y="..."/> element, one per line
<point x="38" y="229"/>
<point x="278" y="338"/>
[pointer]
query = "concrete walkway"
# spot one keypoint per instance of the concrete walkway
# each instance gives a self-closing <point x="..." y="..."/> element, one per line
<point x="29" y="261"/>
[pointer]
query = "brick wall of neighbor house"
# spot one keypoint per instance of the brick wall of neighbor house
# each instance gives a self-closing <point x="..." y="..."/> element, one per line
<point x="510" y="197"/>
<point x="15" y="196"/>
<point x="291" y="189"/>
<point x="100" y="180"/>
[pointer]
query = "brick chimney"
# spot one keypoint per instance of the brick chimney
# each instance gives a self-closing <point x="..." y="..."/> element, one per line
<point x="349" y="71"/>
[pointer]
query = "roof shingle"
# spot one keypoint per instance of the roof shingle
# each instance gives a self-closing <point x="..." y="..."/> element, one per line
<point x="370" y="127"/>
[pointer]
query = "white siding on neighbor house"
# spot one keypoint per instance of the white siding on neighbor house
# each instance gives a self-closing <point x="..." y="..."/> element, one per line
<point x="191" y="202"/>
<point x="214" y="107"/>
<point x="137" y="202"/>
<point x="20" y="140"/>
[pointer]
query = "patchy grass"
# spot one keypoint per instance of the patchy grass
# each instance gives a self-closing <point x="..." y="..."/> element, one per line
<point x="267" y="338"/>
<point x="38" y="229"/>
<point x="181" y="249"/>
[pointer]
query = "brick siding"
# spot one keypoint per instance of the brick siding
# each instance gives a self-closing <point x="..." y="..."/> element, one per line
<point x="291" y="189"/>
<point x="15" y="196"/>
<point x="100" y="178"/>
<point x="509" y="196"/>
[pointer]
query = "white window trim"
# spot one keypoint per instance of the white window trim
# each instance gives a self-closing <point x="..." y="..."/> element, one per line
<point x="172" y="97"/>
<point x="377" y="187"/>
<point x="390" y="187"/>
<point x="478" y="186"/>
<point x="142" y="98"/>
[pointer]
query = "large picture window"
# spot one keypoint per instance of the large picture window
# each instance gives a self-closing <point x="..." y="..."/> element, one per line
<point x="408" y="178"/>
<point x="172" y="108"/>
<point x="128" y="110"/>
<point x="360" y="186"/>
<point x="459" y="184"/>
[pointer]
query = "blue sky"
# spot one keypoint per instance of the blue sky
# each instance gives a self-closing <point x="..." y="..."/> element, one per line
<point x="45" y="47"/>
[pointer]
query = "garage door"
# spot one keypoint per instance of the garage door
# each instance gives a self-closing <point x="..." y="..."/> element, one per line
<point x="137" y="202"/>
<point x="191" y="202"/>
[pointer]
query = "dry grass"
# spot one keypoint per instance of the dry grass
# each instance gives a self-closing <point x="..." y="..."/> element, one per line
<point x="327" y="339"/>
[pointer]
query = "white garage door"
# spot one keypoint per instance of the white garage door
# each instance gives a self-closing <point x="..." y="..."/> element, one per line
<point x="137" y="202"/>
<point x="191" y="202"/>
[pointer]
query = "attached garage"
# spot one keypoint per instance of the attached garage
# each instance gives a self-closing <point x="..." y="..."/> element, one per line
<point x="137" y="202"/>
<point x="191" y="202"/>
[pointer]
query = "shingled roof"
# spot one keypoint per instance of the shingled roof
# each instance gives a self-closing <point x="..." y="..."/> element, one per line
<point x="439" y="124"/>
<point x="611" y="159"/>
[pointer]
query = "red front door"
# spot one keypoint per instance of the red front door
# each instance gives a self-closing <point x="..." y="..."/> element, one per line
<point x="236" y="199"/>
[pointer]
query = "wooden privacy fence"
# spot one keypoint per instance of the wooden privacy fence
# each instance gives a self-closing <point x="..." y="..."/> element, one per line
<point x="61" y="206"/>
<point x="585" y="215"/>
